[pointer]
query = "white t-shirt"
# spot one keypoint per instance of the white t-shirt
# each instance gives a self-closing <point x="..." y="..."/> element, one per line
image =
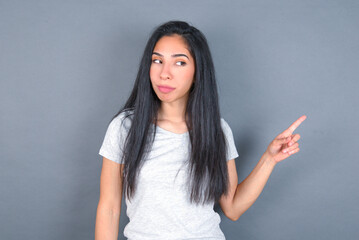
<point x="160" y="208"/>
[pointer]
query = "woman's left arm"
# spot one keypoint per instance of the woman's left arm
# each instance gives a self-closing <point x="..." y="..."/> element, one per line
<point x="241" y="196"/>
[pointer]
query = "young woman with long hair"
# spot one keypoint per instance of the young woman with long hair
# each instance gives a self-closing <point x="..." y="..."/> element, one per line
<point x="169" y="151"/>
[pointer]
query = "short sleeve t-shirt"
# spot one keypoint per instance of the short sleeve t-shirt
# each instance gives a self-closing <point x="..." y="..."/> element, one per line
<point x="160" y="208"/>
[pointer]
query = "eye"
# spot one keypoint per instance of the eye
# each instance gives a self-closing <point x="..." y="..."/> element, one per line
<point x="156" y="61"/>
<point x="181" y="63"/>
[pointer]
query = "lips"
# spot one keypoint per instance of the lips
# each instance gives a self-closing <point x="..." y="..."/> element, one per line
<point x="165" y="89"/>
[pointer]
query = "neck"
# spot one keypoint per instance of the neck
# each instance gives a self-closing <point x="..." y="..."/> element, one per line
<point x="174" y="112"/>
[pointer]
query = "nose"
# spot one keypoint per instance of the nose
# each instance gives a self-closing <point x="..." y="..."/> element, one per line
<point x="165" y="72"/>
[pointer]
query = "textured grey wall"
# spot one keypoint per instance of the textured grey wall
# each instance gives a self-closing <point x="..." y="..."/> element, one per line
<point x="67" y="66"/>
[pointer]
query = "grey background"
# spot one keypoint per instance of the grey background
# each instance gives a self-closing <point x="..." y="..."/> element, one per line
<point x="66" y="67"/>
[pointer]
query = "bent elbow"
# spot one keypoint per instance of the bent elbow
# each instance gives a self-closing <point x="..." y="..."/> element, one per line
<point x="233" y="217"/>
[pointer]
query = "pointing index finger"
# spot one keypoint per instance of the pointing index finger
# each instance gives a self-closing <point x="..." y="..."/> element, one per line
<point x="296" y="124"/>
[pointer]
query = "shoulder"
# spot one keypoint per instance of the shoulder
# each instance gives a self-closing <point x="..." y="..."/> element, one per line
<point x="225" y="125"/>
<point x="122" y="120"/>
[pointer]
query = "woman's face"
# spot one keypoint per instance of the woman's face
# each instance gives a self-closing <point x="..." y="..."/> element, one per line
<point x="172" y="69"/>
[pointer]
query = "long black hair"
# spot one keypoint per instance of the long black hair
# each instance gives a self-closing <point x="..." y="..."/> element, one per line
<point x="207" y="164"/>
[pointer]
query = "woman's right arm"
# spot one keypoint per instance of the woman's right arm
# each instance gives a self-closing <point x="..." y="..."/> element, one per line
<point x="109" y="206"/>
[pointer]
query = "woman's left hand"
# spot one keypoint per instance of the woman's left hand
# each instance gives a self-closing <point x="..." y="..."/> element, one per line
<point x="285" y="144"/>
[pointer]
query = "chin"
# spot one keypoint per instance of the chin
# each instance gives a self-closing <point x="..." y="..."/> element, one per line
<point x="166" y="100"/>
<point x="164" y="97"/>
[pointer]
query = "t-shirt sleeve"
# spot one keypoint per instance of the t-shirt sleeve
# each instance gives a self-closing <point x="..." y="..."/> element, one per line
<point x="231" y="147"/>
<point x="113" y="143"/>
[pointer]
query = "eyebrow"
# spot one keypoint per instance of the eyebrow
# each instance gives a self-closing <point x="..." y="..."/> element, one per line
<point x="174" y="55"/>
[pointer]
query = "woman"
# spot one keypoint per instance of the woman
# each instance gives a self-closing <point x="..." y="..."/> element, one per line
<point x="169" y="151"/>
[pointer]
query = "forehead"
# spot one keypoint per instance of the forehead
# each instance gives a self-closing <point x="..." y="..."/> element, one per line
<point x="171" y="44"/>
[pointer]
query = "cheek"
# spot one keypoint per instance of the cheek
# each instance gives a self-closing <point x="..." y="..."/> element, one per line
<point x="189" y="75"/>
